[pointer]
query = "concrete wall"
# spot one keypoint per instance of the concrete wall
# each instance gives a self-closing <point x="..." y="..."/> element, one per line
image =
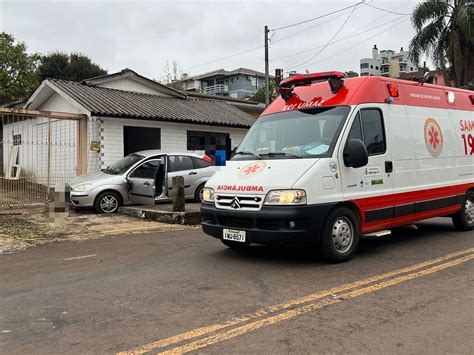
<point x="173" y="136"/>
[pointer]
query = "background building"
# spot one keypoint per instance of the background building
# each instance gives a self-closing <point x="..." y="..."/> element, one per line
<point x="240" y="83"/>
<point x="387" y="63"/>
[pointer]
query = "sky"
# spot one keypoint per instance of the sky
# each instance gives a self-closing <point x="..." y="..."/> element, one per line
<point x="201" y="36"/>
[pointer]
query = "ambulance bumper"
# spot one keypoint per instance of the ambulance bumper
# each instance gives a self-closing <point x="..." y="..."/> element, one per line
<point x="272" y="224"/>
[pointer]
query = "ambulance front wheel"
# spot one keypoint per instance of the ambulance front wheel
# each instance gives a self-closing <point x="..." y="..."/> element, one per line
<point x="340" y="238"/>
<point x="464" y="219"/>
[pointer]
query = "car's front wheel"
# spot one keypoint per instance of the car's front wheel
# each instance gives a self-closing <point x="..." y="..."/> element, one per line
<point x="198" y="193"/>
<point x="107" y="202"/>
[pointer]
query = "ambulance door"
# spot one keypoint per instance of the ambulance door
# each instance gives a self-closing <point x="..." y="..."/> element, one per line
<point x="371" y="186"/>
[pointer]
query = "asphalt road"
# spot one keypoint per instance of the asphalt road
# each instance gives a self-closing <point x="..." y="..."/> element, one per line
<point x="412" y="292"/>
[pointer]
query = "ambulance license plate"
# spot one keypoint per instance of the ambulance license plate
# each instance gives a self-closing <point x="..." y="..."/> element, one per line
<point x="234" y="235"/>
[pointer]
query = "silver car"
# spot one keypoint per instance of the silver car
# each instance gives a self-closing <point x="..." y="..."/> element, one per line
<point x="141" y="178"/>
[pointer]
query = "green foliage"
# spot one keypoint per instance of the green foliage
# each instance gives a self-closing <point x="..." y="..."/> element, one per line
<point x="444" y="32"/>
<point x="259" y="95"/>
<point x="350" y="74"/>
<point x="17" y="70"/>
<point x="74" y="67"/>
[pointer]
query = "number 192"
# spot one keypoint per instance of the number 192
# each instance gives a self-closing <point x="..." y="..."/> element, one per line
<point x="468" y="144"/>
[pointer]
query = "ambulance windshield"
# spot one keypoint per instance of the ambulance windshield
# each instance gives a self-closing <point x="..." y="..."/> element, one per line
<point x="306" y="133"/>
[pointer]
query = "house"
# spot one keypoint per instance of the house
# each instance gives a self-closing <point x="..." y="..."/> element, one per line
<point x="240" y="83"/>
<point x="125" y="112"/>
<point x="387" y="63"/>
<point x="433" y="77"/>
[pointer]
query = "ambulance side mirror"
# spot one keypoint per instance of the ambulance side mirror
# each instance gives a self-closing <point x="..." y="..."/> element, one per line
<point x="355" y="154"/>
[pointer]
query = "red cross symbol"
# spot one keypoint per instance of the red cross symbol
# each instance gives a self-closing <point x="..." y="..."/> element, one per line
<point x="251" y="169"/>
<point x="434" y="141"/>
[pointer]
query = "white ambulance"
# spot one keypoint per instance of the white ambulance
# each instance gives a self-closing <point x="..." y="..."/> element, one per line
<point x="332" y="159"/>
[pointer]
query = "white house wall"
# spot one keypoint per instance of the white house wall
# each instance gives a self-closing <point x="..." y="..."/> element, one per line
<point x="173" y="136"/>
<point x="128" y="84"/>
<point x="33" y="150"/>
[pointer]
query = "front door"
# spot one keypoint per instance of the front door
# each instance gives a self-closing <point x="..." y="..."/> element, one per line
<point x="370" y="187"/>
<point x="146" y="181"/>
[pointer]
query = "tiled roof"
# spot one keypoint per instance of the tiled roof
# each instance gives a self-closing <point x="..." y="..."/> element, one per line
<point x="118" y="103"/>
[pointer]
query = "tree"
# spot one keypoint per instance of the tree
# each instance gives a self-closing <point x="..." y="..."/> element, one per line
<point x="444" y="32"/>
<point x="74" y="67"/>
<point x="173" y="76"/>
<point x="259" y="95"/>
<point x="350" y="74"/>
<point x="17" y="70"/>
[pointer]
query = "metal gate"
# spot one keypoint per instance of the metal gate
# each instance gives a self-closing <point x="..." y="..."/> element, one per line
<point x="39" y="152"/>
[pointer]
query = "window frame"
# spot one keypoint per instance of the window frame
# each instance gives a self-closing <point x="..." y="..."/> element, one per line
<point x="358" y="115"/>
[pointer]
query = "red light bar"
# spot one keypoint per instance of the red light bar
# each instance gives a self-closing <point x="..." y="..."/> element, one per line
<point x="333" y="77"/>
<point x="310" y="78"/>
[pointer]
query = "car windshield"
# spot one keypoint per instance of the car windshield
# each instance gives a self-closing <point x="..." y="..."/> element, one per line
<point x="293" y="134"/>
<point x="123" y="164"/>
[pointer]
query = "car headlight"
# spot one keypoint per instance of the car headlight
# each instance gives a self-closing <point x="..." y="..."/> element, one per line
<point x="286" y="197"/>
<point x="207" y="194"/>
<point x="81" y="188"/>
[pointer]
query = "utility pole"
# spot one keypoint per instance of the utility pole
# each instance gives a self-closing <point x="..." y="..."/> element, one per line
<point x="267" y="80"/>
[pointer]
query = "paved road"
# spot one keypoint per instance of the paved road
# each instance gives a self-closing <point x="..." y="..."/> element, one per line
<point x="182" y="291"/>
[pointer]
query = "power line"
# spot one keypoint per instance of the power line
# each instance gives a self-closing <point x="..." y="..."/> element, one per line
<point x="329" y="42"/>
<point x="316" y="18"/>
<point x="390" y="12"/>
<point x="339" y="40"/>
<point x="357" y="44"/>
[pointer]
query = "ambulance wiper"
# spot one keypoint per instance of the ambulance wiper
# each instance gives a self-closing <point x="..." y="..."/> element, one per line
<point x="277" y="154"/>
<point x="249" y="153"/>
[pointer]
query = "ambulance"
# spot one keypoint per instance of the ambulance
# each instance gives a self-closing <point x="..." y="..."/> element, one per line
<point x="333" y="159"/>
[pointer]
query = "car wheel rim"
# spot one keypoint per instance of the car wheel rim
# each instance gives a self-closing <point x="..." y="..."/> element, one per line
<point x="108" y="204"/>
<point x="342" y="235"/>
<point x="201" y="194"/>
<point x="469" y="211"/>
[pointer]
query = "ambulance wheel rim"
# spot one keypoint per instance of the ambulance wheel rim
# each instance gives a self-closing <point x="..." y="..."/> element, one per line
<point x="342" y="235"/>
<point x="469" y="211"/>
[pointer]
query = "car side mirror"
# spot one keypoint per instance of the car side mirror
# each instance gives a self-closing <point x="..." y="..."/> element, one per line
<point x="355" y="154"/>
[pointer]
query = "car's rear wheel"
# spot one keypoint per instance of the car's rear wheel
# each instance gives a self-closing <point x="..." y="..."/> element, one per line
<point x="340" y="238"/>
<point x="198" y="193"/>
<point x="107" y="202"/>
<point x="464" y="219"/>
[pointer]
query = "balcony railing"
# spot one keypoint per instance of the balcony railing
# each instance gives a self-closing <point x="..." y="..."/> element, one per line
<point x="217" y="89"/>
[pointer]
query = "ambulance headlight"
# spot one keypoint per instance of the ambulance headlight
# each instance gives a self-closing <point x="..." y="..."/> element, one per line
<point x="207" y="194"/>
<point x="286" y="197"/>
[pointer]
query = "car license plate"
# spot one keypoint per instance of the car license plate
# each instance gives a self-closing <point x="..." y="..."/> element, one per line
<point x="234" y="235"/>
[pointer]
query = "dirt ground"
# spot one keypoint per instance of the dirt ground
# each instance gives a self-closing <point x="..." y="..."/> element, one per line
<point x="22" y="228"/>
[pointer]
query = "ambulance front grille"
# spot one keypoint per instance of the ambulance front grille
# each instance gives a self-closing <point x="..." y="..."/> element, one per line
<point x="239" y="202"/>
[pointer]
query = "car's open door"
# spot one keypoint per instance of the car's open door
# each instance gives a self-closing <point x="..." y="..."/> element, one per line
<point x="146" y="181"/>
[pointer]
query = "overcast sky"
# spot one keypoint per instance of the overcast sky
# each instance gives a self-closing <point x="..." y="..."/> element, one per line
<point x="144" y="35"/>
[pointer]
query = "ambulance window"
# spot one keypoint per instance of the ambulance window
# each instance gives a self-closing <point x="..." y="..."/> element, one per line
<point x="356" y="130"/>
<point x="374" y="136"/>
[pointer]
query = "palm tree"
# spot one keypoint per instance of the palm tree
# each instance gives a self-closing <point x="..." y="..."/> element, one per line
<point x="444" y="32"/>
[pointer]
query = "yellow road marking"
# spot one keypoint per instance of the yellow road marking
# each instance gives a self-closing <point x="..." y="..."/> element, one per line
<point x="318" y="295"/>
<point x="202" y="343"/>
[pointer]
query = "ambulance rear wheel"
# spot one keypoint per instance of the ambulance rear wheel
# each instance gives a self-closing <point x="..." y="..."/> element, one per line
<point x="235" y="245"/>
<point x="464" y="219"/>
<point x="340" y="238"/>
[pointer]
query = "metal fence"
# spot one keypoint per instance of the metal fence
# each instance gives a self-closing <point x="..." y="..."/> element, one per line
<point x="39" y="152"/>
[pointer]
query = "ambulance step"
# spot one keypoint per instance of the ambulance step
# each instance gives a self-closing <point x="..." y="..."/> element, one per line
<point x="378" y="234"/>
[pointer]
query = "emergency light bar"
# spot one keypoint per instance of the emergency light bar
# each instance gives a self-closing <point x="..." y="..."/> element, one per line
<point x="334" y="79"/>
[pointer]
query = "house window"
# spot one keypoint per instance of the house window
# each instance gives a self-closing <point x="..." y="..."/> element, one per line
<point x="376" y="68"/>
<point x="140" y="138"/>
<point x="17" y="139"/>
<point x="371" y="67"/>
<point x="364" y="74"/>
<point x="209" y="141"/>
<point x="364" y="65"/>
